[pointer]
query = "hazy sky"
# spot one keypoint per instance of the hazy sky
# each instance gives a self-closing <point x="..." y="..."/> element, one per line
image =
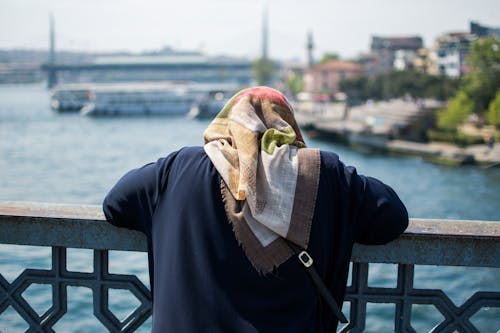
<point x="233" y="27"/>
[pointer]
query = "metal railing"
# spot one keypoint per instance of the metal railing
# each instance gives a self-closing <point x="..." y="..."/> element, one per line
<point x="426" y="242"/>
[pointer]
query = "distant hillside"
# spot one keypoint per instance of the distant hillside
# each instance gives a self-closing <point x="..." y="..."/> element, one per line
<point x="39" y="57"/>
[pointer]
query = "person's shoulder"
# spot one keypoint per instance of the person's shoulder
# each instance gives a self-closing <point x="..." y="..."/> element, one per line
<point x="183" y="153"/>
<point x="186" y="154"/>
<point x="188" y="151"/>
<point x="329" y="159"/>
<point x="191" y="151"/>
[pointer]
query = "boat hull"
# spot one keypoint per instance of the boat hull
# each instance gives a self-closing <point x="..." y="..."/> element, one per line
<point x="92" y="109"/>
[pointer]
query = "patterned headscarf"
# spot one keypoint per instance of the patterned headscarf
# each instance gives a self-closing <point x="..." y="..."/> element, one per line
<point x="270" y="179"/>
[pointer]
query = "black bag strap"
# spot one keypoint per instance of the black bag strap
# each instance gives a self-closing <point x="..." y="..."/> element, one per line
<point x="307" y="261"/>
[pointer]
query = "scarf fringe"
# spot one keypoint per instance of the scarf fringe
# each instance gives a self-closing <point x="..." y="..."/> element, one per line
<point x="264" y="259"/>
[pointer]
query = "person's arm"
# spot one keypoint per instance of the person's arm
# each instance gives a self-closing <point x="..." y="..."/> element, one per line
<point x="132" y="201"/>
<point x="379" y="214"/>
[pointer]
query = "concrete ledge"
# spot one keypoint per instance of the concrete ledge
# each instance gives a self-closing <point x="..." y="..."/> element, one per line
<point x="74" y="226"/>
<point x="425" y="242"/>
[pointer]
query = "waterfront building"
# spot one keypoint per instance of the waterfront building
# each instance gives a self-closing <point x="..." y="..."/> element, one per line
<point x="324" y="78"/>
<point x="396" y="52"/>
<point x="453" y="49"/>
<point x="426" y="61"/>
<point x="483" y="31"/>
<point x="369" y="61"/>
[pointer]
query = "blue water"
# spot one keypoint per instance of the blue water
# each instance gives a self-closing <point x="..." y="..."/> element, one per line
<point x="66" y="158"/>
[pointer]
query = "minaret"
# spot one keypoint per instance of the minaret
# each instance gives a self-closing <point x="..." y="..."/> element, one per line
<point x="264" y="35"/>
<point x="52" y="75"/>
<point x="310" y="48"/>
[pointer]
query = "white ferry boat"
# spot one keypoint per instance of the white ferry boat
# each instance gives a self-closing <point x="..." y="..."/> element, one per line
<point x="151" y="98"/>
<point x="70" y="97"/>
<point x="210" y="105"/>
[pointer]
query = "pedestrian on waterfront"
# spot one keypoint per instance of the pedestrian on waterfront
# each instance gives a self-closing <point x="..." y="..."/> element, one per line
<point x="491" y="141"/>
<point x="225" y="224"/>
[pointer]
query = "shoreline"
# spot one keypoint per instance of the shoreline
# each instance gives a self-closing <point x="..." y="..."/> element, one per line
<point x="380" y="127"/>
<point x="434" y="152"/>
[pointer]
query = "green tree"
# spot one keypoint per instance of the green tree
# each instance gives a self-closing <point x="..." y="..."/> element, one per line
<point x="399" y="83"/>
<point x="493" y="114"/>
<point x="329" y="56"/>
<point x="459" y="107"/>
<point x="355" y="88"/>
<point x="483" y="81"/>
<point x="263" y="70"/>
<point x="295" y="83"/>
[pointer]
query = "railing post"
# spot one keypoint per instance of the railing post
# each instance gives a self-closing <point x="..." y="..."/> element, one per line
<point x="402" y="318"/>
<point x="357" y="314"/>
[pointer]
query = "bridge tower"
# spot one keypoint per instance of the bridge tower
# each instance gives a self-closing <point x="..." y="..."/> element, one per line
<point x="265" y="34"/>
<point x="51" y="73"/>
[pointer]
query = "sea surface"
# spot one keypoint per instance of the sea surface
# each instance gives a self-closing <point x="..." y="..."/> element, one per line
<point x="66" y="158"/>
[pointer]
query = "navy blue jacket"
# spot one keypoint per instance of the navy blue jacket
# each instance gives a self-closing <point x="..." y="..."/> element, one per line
<point x="203" y="282"/>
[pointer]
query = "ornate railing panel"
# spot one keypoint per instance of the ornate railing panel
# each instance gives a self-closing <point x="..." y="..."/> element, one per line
<point x="426" y="242"/>
<point x="99" y="281"/>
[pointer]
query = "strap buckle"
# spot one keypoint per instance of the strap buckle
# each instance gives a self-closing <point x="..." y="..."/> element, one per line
<point x="305" y="259"/>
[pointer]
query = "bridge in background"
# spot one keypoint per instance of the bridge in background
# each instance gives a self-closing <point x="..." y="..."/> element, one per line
<point x="426" y="242"/>
<point x="199" y="71"/>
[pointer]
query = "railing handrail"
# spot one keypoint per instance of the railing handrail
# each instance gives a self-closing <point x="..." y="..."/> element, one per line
<point x="425" y="242"/>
